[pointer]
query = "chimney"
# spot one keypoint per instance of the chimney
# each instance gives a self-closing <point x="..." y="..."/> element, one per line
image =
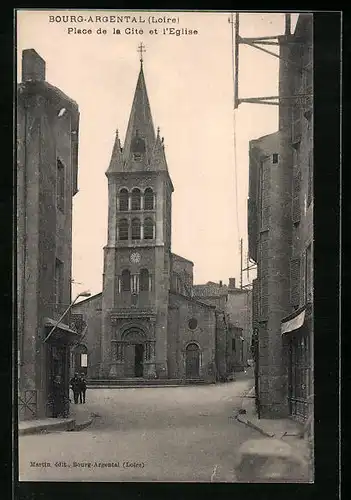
<point x="221" y="283"/>
<point x="288" y="24"/>
<point x="33" y="66"/>
<point x="231" y="282"/>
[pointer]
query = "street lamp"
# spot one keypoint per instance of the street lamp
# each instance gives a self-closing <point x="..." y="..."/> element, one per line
<point x="81" y="294"/>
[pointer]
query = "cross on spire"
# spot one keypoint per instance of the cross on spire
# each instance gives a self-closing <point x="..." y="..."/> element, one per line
<point x="141" y="49"/>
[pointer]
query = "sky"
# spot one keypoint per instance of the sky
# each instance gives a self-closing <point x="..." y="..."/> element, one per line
<point x="189" y="79"/>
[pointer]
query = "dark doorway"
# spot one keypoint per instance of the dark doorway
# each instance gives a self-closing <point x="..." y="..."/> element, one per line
<point x="138" y="360"/>
<point x="192" y="363"/>
<point x="58" y="365"/>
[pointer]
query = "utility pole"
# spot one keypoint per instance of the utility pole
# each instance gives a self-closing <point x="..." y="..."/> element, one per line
<point x="241" y="262"/>
<point x="259" y="43"/>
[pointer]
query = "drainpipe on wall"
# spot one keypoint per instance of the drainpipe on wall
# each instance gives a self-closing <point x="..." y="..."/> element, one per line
<point x="257" y="371"/>
<point x="23" y="245"/>
<point x="216" y="348"/>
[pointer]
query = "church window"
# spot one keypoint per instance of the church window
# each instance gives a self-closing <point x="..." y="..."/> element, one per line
<point x="135" y="283"/>
<point x="192" y="323"/>
<point x="149" y="199"/>
<point x="136" y="229"/>
<point x="125" y="280"/>
<point x="123" y="200"/>
<point x="136" y="199"/>
<point x="233" y="345"/>
<point x="123" y="229"/>
<point x="148" y="229"/>
<point x="144" y="280"/>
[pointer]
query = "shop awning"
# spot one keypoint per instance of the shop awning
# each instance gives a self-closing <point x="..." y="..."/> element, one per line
<point x="62" y="333"/>
<point x="293" y="323"/>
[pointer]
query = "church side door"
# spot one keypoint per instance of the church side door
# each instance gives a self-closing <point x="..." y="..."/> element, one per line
<point x="192" y="363"/>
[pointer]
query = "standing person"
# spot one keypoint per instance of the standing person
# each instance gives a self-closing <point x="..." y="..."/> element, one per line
<point x="83" y="388"/>
<point x="75" y="385"/>
<point x="58" y="397"/>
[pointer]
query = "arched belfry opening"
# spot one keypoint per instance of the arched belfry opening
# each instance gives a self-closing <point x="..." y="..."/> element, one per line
<point x="137" y="146"/>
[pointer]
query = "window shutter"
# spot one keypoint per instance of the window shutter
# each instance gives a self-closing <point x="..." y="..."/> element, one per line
<point x="296" y="205"/>
<point x="303" y="277"/>
<point x="295" y="265"/>
<point x="255" y="302"/>
<point x="310" y="167"/>
<point x="296" y="123"/>
<point x="264" y="275"/>
<point x="264" y="195"/>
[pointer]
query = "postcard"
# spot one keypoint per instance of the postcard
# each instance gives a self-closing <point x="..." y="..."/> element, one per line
<point x="165" y="246"/>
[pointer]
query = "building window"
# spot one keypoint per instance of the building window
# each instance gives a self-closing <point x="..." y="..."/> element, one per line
<point x="192" y="323"/>
<point x="148" y="199"/>
<point x="148" y="229"/>
<point x="83" y="360"/>
<point x="136" y="199"/>
<point x="123" y="229"/>
<point x="60" y="191"/>
<point x="123" y="200"/>
<point x="59" y="275"/>
<point x="144" y="280"/>
<point x="136" y="229"/>
<point x="125" y="280"/>
<point x="275" y="158"/>
<point x="308" y="274"/>
<point x="233" y="345"/>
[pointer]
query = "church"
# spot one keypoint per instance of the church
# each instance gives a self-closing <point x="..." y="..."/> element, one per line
<point x="149" y="322"/>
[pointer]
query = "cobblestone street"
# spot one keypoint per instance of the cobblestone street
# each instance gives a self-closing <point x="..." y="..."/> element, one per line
<point x="145" y="434"/>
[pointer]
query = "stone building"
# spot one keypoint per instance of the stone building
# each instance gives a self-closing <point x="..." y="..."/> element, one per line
<point x="148" y="322"/>
<point x="47" y="150"/>
<point x="281" y="237"/>
<point x="235" y="302"/>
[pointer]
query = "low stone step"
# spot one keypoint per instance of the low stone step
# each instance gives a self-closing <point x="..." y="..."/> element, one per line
<point x="138" y="382"/>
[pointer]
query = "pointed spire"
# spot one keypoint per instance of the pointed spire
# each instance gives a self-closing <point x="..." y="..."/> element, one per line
<point x="140" y="121"/>
<point x="116" y="162"/>
<point x="158" y="159"/>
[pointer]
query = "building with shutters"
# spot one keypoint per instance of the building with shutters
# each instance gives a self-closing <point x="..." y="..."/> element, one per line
<point x="150" y="321"/>
<point x="280" y="225"/>
<point x="47" y="165"/>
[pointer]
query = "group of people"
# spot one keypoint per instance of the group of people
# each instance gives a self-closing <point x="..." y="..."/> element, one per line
<point x="79" y="386"/>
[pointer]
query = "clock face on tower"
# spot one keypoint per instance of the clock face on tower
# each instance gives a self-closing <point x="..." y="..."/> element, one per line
<point x="135" y="257"/>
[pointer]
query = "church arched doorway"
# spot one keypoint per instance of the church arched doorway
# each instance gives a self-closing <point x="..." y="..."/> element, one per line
<point x="192" y="361"/>
<point x="134" y="352"/>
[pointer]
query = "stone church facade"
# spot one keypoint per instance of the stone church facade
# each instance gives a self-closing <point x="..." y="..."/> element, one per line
<point x="148" y="322"/>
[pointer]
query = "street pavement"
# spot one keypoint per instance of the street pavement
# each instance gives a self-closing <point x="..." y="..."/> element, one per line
<point x="146" y="434"/>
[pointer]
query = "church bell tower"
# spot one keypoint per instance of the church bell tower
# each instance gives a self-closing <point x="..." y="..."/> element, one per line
<point x="137" y="256"/>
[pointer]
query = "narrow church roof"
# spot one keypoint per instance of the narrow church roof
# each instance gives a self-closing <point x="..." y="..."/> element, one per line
<point x="210" y="289"/>
<point x="140" y="119"/>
